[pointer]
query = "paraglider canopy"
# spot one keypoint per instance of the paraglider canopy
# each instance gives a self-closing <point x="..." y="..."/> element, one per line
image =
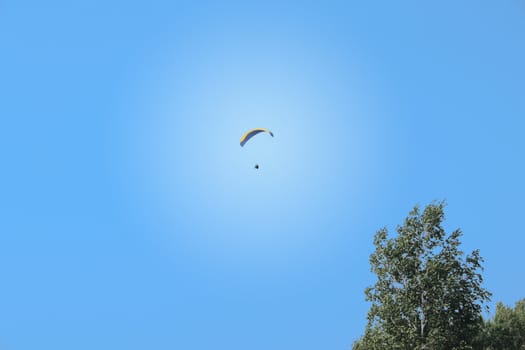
<point x="251" y="133"/>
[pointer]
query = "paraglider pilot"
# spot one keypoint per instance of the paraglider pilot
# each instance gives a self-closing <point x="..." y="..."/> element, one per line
<point x="252" y="133"/>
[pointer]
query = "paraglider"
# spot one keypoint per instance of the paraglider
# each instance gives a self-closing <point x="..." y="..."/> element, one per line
<point x="251" y="133"/>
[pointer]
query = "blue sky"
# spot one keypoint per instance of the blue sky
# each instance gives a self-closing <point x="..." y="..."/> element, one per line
<point x="132" y="219"/>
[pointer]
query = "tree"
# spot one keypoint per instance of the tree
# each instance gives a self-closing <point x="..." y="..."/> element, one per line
<point x="428" y="295"/>
<point x="506" y="331"/>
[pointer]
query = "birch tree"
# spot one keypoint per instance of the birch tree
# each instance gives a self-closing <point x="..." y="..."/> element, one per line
<point x="428" y="293"/>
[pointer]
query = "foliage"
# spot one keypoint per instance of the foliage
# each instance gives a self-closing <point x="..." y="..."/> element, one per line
<point x="506" y="331"/>
<point x="428" y="295"/>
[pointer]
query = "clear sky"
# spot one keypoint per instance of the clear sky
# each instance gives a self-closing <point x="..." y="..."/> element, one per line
<point x="130" y="217"/>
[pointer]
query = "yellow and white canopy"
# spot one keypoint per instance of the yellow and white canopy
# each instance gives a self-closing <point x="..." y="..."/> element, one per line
<point x="251" y="133"/>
